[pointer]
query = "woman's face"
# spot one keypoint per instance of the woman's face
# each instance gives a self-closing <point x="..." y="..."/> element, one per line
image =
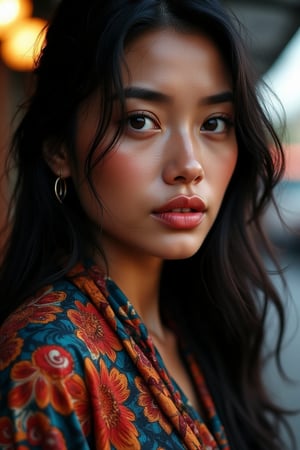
<point x="162" y="185"/>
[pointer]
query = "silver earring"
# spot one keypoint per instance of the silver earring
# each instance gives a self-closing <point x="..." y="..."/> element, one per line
<point x="60" y="189"/>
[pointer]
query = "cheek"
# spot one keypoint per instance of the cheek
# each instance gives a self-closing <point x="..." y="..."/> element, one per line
<point x="119" y="174"/>
<point x="227" y="170"/>
<point x="230" y="157"/>
<point x="220" y="168"/>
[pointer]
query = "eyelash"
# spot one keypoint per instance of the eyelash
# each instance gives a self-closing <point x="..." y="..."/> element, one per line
<point x="144" y="116"/>
<point x="228" y="122"/>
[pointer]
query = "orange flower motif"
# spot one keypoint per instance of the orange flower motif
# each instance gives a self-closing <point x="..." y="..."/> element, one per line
<point x="113" y="420"/>
<point x="94" y="331"/>
<point x="41" y="433"/>
<point x="10" y="348"/>
<point x="42" y="379"/>
<point x="207" y="439"/>
<point x="81" y="403"/>
<point x="40" y="309"/>
<point x="91" y="282"/>
<point x="151" y="409"/>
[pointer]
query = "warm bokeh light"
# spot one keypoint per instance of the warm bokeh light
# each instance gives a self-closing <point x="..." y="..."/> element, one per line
<point x="22" y="44"/>
<point x="12" y="11"/>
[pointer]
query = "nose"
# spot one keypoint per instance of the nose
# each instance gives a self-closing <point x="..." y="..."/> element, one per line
<point x="183" y="164"/>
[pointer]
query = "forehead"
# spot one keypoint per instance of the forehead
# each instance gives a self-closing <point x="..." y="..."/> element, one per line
<point x="161" y="54"/>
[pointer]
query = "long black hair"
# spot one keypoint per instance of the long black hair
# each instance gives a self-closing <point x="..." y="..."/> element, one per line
<point x="221" y="295"/>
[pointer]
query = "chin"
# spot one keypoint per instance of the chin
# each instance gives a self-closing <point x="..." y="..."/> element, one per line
<point x="181" y="251"/>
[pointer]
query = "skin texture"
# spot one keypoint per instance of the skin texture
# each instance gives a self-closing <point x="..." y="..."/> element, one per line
<point x="180" y="142"/>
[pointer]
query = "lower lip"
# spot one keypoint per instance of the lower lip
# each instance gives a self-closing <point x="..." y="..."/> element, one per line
<point x="180" y="221"/>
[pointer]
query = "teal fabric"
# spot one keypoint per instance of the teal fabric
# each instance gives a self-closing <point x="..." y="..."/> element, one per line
<point x="78" y="370"/>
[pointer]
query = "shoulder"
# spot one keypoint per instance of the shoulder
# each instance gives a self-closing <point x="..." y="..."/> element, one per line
<point x="42" y="360"/>
<point x="47" y="323"/>
<point x="46" y="306"/>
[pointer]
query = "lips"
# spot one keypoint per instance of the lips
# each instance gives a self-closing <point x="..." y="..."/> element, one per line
<point x="183" y="204"/>
<point x="181" y="213"/>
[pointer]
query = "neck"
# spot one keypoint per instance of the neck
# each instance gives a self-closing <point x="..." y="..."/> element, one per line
<point x="139" y="280"/>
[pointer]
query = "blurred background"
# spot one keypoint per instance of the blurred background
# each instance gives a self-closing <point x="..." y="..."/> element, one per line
<point x="272" y="31"/>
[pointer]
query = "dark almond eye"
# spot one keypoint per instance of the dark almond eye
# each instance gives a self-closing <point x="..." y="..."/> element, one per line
<point x="211" y="124"/>
<point x="216" y="125"/>
<point x="137" y="122"/>
<point x="141" y="122"/>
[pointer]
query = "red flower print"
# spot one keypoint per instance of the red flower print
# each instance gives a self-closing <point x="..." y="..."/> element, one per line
<point x="6" y="433"/>
<point x="10" y="348"/>
<point x="81" y="403"/>
<point x="41" y="433"/>
<point x="113" y="420"/>
<point x="53" y="360"/>
<point x="40" y="309"/>
<point x="44" y="309"/>
<point x="17" y="320"/>
<point x="94" y="331"/>
<point x="151" y="408"/>
<point x="42" y="379"/>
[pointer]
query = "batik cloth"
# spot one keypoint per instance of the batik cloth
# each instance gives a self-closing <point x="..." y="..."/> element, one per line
<point x="78" y="370"/>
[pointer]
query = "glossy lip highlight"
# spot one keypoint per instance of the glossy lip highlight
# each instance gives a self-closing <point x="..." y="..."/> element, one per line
<point x="181" y="212"/>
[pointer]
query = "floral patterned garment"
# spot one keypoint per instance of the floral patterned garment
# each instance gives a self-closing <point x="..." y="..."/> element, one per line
<point x="78" y="370"/>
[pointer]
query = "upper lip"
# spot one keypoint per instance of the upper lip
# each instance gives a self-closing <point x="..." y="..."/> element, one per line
<point x="195" y="203"/>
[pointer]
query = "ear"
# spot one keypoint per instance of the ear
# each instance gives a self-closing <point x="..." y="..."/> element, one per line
<point x="58" y="160"/>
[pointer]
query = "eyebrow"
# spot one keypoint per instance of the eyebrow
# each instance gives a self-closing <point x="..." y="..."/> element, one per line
<point x="222" y="97"/>
<point x="159" y="97"/>
<point x="146" y="94"/>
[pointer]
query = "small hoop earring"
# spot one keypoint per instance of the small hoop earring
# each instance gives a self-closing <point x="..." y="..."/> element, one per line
<point x="60" y="189"/>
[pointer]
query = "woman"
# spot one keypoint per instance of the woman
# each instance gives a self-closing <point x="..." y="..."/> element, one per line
<point x="133" y="293"/>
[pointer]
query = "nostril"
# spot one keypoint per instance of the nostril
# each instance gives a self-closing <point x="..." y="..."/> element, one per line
<point x="198" y="178"/>
<point x="180" y="178"/>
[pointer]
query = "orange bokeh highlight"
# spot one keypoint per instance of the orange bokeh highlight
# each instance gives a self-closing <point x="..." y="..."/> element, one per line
<point x="11" y="11"/>
<point x="23" y="43"/>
